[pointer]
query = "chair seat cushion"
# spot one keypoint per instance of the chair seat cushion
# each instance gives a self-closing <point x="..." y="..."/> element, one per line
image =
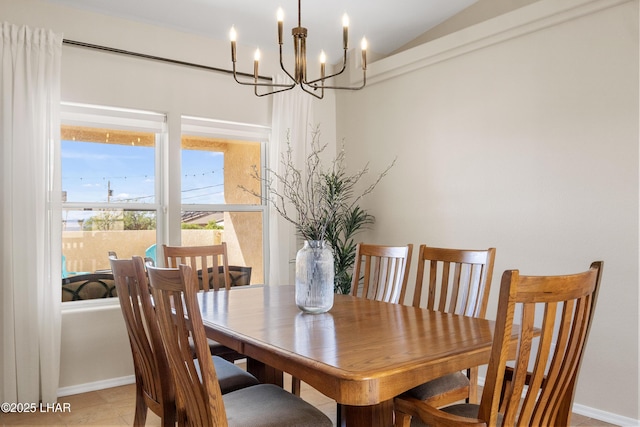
<point x="269" y="405"/>
<point x="217" y="349"/>
<point x="467" y="410"/>
<point x="439" y="386"/>
<point x="230" y="376"/>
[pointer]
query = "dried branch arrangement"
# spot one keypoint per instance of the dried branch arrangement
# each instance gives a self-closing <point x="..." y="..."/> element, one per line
<point x="320" y="202"/>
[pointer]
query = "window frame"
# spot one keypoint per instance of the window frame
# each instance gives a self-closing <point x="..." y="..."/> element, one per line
<point x="90" y="115"/>
<point x="77" y="114"/>
<point x="213" y="128"/>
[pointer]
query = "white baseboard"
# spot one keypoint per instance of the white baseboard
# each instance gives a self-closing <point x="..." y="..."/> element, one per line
<point x="98" y="385"/>
<point x="607" y="417"/>
<point x="596" y="414"/>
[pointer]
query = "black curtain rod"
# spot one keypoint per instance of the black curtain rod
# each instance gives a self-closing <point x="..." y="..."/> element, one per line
<point x="156" y="58"/>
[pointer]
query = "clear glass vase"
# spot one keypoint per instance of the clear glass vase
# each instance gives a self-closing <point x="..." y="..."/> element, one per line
<point x="314" y="277"/>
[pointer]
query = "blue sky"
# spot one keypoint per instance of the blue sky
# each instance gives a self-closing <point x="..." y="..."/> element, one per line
<point x="202" y="177"/>
<point x="88" y="169"/>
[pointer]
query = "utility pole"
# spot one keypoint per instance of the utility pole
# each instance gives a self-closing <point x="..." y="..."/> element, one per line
<point x="109" y="192"/>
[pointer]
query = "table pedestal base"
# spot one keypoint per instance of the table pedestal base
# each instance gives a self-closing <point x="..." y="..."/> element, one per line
<point x="265" y="374"/>
<point x="380" y="415"/>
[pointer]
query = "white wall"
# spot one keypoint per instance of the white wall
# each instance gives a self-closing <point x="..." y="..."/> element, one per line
<point x="95" y="350"/>
<point x="520" y="133"/>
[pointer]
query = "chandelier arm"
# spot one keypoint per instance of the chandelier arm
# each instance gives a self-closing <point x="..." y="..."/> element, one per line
<point x="255" y="91"/>
<point x="344" y="67"/>
<point x="284" y="69"/>
<point x="364" y="82"/>
<point x="255" y="83"/>
<point x="304" y="88"/>
<point x="264" y="84"/>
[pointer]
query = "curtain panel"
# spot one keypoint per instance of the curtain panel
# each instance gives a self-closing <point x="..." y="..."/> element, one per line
<point x="292" y="118"/>
<point x="30" y="291"/>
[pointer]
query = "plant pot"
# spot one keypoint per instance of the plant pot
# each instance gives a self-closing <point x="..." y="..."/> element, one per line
<point x="314" y="277"/>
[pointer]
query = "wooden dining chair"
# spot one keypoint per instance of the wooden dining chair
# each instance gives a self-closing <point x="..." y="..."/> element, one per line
<point x="381" y="272"/>
<point x="554" y="312"/>
<point x="453" y="281"/>
<point x="238" y="275"/>
<point x="199" y="400"/>
<point x="154" y="384"/>
<point x="154" y="387"/>
<point x="204" y="262"/>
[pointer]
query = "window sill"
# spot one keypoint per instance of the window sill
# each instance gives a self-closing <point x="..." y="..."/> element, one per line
<point x="90" y="305"/>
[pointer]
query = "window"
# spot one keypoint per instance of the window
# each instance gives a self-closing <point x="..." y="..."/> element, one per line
<point x="218" y="163"/>
<point x="109" y="183"/>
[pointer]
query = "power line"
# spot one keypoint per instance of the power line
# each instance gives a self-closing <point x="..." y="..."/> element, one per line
<point x="107" y="178"/>
<point x="202" y="188"/>
<point x="130" y="199"/>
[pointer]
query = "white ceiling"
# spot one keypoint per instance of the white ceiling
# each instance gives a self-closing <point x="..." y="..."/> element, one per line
<point x="387" y="25"/>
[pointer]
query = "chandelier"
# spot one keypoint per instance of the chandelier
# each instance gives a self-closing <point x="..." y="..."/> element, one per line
<point x="313" y="87"/>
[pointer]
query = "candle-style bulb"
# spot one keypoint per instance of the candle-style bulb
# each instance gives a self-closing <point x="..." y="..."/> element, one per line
<point x="256" y="58"/>
<point x="345" y="31"/>
<point x="280" y="17"/>
<point x="323" y="60"/>
<point x="232" y="37"/>
<point x="363" y="46"/>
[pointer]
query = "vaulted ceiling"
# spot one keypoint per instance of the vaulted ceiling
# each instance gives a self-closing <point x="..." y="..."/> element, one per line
<point x="387" y="25"/>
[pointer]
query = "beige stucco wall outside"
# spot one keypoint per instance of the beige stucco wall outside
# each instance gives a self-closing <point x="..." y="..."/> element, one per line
<point x="87" y="250"/>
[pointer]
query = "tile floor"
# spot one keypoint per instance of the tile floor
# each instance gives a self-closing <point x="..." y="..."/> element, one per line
<point x="115" y="406"/>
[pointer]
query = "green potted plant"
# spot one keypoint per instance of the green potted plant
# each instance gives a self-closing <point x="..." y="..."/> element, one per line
<point x="347" y="220"/>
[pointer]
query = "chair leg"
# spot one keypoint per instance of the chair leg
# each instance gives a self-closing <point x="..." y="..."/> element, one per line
<point x="472" y="374"/>
<point x="169" y="415"/>
<point x="402" y="419"/>
<point x="295" y="386"/>
<point x="140" y="417"/>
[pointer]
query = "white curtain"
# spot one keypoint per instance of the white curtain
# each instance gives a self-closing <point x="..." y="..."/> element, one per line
<point x="30" y="290"/>
<point x="293" y="114"/>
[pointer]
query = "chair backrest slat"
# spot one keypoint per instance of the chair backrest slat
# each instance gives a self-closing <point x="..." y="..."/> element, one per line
<point x="204" y="262"/>
<point x="381" y="272"/>
<point x="457" y="280"/>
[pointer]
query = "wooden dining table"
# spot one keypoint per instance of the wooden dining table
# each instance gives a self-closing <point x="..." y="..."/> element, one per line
<point x="362" y="353"/>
